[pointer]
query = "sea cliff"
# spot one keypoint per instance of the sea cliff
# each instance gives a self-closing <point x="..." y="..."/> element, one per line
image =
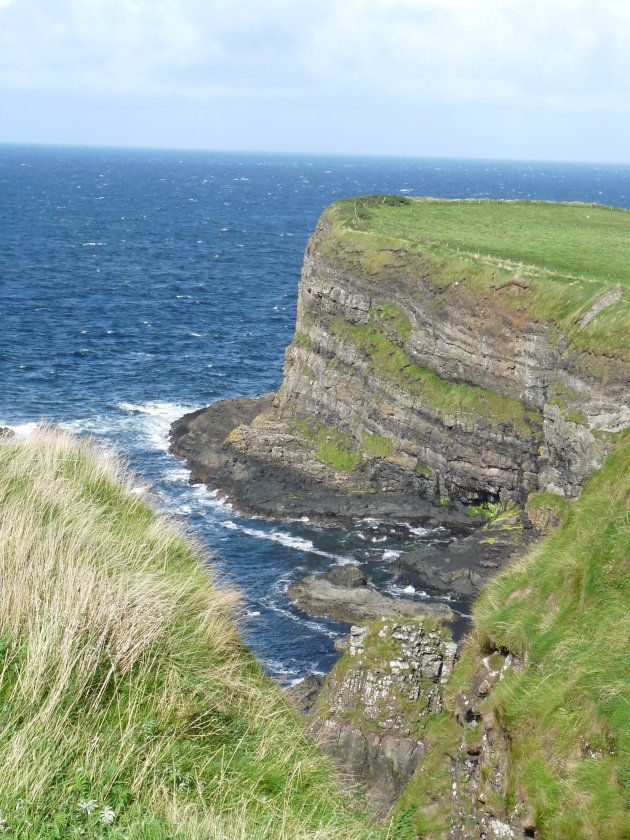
<point x="446" y="355"/>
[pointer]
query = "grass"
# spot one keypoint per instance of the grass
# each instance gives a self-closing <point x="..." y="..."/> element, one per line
<point x="337" y="449"/>
<point x="428" y="798"/>
<point x="548" y="261"/>
<point x="128" y="705"/>
<point x="564" y="612"/>
<point x="565" y="607"/>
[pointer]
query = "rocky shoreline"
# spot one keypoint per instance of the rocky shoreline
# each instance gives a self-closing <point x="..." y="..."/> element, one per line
<point x="343" y="594"/>
<point x="300" y="486"/>
<point x="282" y="479"/>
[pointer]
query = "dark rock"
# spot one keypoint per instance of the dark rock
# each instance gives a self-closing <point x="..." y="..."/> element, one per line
<point x="6" y="433"/>
<point x="347" y="576"/>
<point x="374" y="703"/>
<point x="305" y="693"/>
<point x="462" y="567"/>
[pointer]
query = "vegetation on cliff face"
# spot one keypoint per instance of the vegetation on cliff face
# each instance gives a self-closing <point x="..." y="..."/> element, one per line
<point x="128" y="706"/>
<point x="562" y="612"/>
<point x="381" y="341"/>
<point x="557" y="263"/>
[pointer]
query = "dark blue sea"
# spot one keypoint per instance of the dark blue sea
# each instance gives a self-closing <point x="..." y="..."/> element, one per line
<point x="138" y="285"/>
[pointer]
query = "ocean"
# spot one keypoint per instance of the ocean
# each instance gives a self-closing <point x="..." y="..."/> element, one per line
<point x="138" y="285"/>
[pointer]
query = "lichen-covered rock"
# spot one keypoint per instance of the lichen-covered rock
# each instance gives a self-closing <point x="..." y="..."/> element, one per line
<point x="370" y="712"/>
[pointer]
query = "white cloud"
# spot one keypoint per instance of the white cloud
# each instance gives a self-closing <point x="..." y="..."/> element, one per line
<point x="555" y="53"/>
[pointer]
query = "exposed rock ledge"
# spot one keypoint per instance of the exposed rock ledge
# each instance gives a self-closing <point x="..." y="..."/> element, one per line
<point x="370" y="713"/>
<point x="343" y="595"/>
<point x="278" y="477"/>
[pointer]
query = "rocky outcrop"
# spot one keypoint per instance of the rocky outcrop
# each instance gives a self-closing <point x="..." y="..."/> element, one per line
<point x="407" y="392"/>
<point x="476" y="798"/>
<point x="463" y="566"/>
<point x="370" y="712"/>
<point x="343" y="595"/>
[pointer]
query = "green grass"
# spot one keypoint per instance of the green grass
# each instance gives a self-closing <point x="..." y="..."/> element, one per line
<point x="564" y="612"/>
<point x="128" y="705"/>
<point x="585" y="240"/>
<point x="378" y="445"/>
<point x="548" y="261"/>
<point x="337" y="449"/>
<point x="428" y="798"/>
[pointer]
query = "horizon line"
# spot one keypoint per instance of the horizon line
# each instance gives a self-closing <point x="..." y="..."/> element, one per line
<point x="311" y="154"/>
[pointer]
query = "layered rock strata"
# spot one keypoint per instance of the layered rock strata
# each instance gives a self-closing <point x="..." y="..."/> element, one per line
<point x="343" y="594"/>
<point x="405" y="392"/>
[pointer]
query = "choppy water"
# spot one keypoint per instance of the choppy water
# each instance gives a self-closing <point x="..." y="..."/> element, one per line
<point x="135" y="286"/>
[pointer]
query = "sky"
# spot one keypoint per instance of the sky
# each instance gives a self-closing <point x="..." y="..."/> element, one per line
<point x="507" y="79"/>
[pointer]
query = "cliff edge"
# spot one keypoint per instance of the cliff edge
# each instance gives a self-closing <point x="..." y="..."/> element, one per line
<point x="446" y="354"/>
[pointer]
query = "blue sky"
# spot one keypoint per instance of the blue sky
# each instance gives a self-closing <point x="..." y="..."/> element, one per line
<point x="532" y="79"/>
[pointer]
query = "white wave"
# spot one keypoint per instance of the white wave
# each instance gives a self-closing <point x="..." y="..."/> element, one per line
<point x="397" y="590"/>
<point x="317" y="626"/>
<point x="21" y="430"/>
<point x="194" y="335"/>
<point x="287" y="540"/>
<point x="252" y="613"/>
<point x="211" y="498"/>
<point x="279" y="669"/>
<point x="390" y="554"/>
<point x="419" y="531"/>
<point x="177" y="476"/>
<point x="153" y="419"/>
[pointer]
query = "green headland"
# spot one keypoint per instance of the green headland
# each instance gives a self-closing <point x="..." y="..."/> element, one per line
<point x="551" y="261"/>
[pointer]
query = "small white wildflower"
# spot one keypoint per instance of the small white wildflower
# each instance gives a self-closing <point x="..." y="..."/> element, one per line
<point x="88" y="806"/>
<point x="3" y="822"/>
<point x="107" y="816"/>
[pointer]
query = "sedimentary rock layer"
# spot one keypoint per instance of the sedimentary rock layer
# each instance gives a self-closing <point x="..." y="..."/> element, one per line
<point x="406" y="388"/>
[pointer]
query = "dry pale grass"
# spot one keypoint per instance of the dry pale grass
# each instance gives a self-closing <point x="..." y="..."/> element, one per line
<point x="123" y="683"/>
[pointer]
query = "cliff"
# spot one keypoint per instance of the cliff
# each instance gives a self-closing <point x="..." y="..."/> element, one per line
<point x="445" y="354"/>
<point x="534" y="736"/>
<point x="528" y="734"/>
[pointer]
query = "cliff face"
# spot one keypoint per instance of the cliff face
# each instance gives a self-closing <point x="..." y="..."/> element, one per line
<point x="371" y="713"/>
<point x="418" y="378"/>
<point x="480" y="413"/>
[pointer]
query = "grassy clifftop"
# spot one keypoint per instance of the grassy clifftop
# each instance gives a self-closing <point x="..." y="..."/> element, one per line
<point x="551" y="261"/>
<point x="128" y="705"/>
<point x="564" y="709"/>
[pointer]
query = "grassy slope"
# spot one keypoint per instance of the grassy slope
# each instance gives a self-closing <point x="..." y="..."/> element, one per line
<point x="560" y="258"/>
<point x="565" y="611"/>
<point x="123" y="684"/>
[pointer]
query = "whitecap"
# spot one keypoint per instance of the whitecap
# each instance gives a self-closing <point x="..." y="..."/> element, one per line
<point x="390" y="554"/>
<point x="153" y="420"/>
<point x="287" y="540"/>
<point x="22" y="430"/>
<point x="419" y="531"/>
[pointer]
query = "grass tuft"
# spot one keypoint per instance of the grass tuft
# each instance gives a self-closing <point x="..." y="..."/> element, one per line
<point x="128" y="705"/>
